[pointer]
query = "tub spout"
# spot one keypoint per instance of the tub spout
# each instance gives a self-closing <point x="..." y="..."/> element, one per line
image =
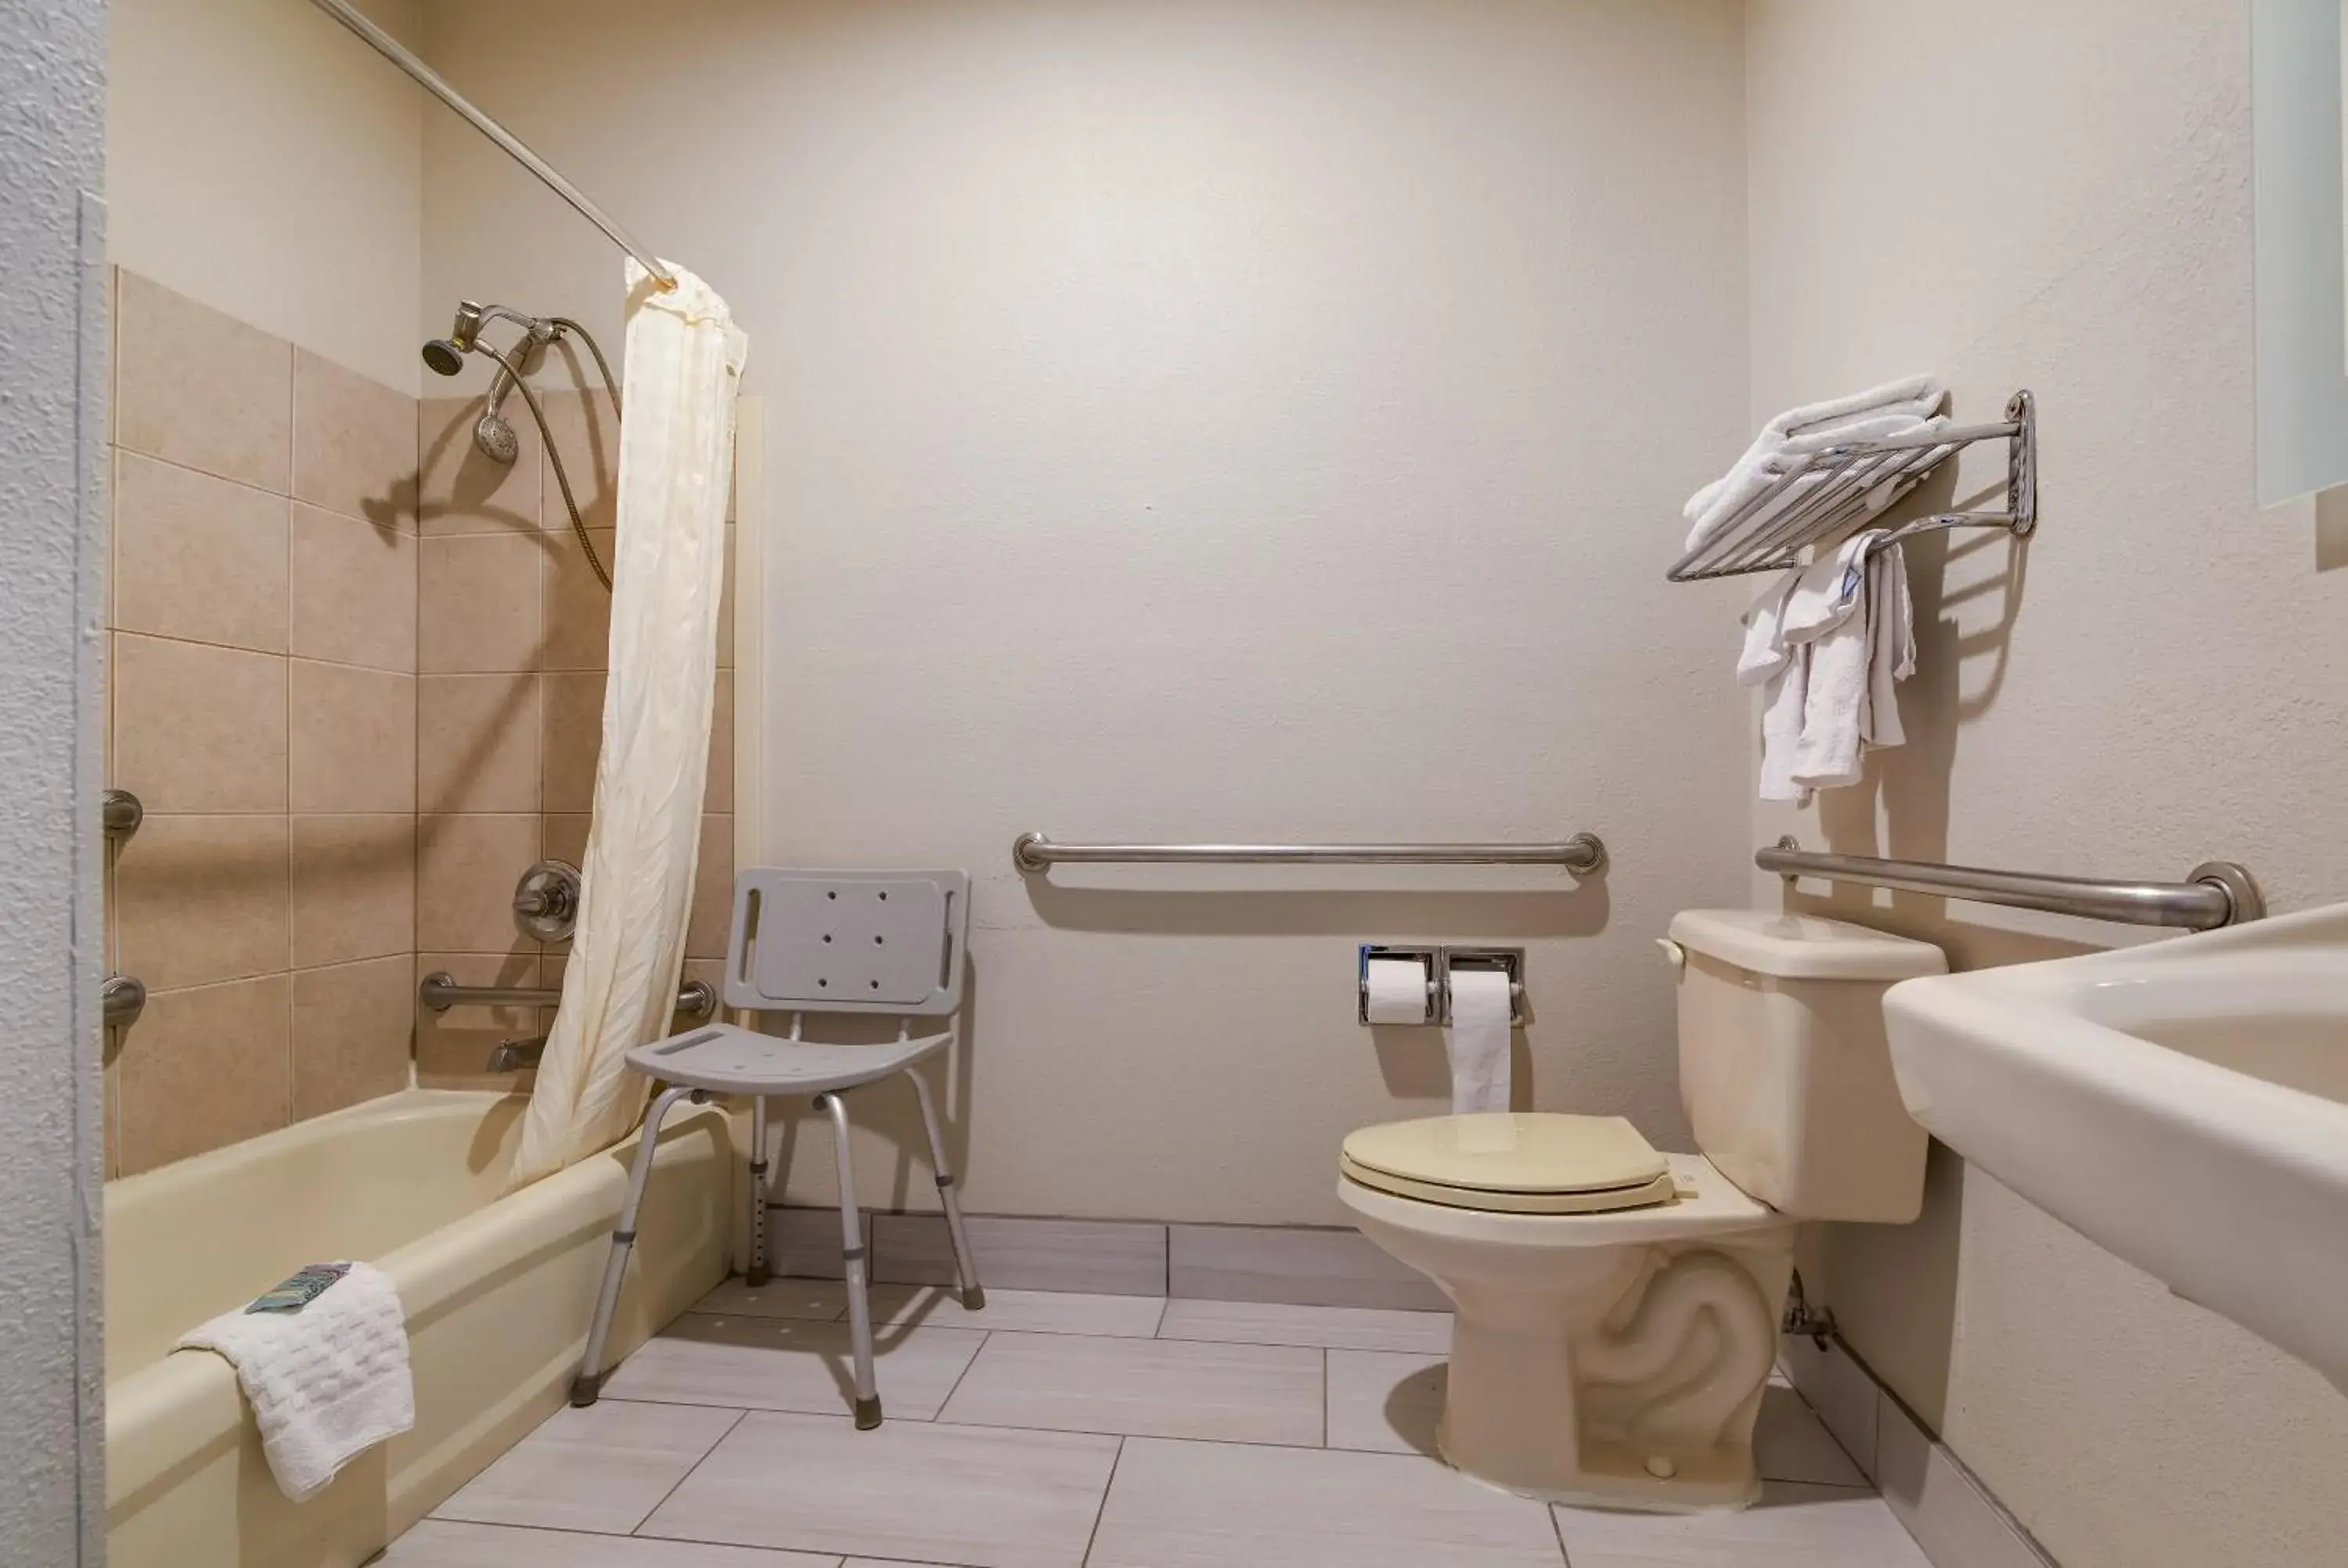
<point x="513" y="1055"/>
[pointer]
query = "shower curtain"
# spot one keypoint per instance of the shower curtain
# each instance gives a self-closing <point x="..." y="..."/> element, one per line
<point x="679" y="379"/>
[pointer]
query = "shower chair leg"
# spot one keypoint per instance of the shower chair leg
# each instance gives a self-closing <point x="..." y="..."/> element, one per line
<point x="757" y="1273"/>
<point x="974" y="1295"/>
<point x="852" y="1233"/>
<point x="589" y="1380"/>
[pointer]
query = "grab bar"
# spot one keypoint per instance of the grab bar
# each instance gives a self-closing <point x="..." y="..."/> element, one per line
<point x="439" y="991"/>
<point x="1583" y="854"/>
<point x="2218" y="893"/>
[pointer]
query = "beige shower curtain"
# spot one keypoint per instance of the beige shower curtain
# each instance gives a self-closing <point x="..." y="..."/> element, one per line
<point x="683" y="369"/>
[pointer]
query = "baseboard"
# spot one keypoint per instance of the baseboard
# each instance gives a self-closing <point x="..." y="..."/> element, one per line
<point x="1955" y="1520"/>
<point x="1301" y="1265"/>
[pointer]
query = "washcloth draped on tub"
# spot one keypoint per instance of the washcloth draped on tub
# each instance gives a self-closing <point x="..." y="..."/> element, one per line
<point x="325" y="1383"/>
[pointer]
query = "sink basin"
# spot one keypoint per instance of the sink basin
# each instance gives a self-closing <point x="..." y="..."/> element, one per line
<point x="2182" y="1104"/>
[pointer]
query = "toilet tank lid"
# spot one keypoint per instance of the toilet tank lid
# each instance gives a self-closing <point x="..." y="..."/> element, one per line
<point x="1804" y="947"/>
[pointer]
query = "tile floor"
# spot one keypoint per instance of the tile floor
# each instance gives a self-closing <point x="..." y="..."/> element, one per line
<point x="1080" y="1432"/>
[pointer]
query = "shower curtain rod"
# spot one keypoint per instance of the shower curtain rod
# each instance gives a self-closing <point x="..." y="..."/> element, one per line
<point x="391" y="49"/>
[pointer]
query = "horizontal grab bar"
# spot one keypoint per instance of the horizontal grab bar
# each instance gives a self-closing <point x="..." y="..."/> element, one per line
<point x="2220" y="893"/>
<point x="439" y="991"/>
<point x="1581" y="854"/>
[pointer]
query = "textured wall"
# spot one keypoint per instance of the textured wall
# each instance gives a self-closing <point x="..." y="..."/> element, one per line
<point x="52" y="429"/>
<point x="2157" y="681"/>
<point x="265" y="162"/>
<point x="1192" y="422"/>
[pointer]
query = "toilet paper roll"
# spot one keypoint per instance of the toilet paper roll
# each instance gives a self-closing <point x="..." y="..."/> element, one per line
<point x="1478" y="1041"/>
<point x="1397" y="991"/>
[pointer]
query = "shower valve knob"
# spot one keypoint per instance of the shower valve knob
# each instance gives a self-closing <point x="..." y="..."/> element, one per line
<point x="546" y="901"/>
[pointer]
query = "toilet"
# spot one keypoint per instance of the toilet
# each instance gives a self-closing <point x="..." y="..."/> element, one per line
<point x="1617" y="1306"/>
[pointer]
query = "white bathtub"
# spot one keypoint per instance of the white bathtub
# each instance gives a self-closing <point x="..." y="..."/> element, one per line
<point x="498" y="1290"/>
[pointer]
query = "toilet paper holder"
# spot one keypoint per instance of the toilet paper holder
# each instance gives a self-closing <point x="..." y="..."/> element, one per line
<point x="1441" y="961"/>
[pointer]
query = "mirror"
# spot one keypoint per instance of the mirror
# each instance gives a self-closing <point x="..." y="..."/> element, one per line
<point x="2299" y="51"/>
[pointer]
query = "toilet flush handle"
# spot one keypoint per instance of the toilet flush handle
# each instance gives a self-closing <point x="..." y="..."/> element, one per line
<point x="1673" y="951"/>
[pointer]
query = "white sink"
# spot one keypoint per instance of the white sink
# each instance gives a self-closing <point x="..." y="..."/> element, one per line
<point x="2183" y="1104"/>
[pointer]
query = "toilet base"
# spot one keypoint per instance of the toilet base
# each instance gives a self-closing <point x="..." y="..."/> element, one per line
<point x="1596" y="1363"/>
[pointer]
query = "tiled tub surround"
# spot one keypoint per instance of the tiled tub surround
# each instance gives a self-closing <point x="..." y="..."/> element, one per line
<point x="513" y="631"/>
<point x="262" y="704"/>
<point x="1055" y="1429"/>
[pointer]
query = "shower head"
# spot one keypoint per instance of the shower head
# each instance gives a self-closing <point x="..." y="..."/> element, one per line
<point x="443" y="357"/>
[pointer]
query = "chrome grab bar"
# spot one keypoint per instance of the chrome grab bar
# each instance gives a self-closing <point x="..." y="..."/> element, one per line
<point x="439" y="991"/>
<point x="1583" y="854"/>
<point x="2218" y="893"/>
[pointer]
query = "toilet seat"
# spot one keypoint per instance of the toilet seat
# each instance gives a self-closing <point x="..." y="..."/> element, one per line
<point x="1511" y="1162"/>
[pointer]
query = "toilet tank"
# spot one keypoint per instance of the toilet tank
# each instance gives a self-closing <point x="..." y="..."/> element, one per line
<point x="1783" y="1068"/>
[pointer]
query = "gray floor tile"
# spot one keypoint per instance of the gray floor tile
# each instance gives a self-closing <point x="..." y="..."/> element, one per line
<point x="1790" y="1443"/>
<point x="811" y="1300"/>
<point x="1212" y="1505"/>
<point x="1157" y="1387"/>
<point x="1385" y="1402"/>
<point x="1020" y="1311"/>
<point x="1793" y="1526"/>
<point x="1336" y="1327"/>
<point x="908" y="1491"/>
<point x="599" y="1468"/>
<point x="1307" y="1267"/>
<point x="1121" y="1258"/>
<point x="783" y="1364"/>
<point x="438" y="1543"/>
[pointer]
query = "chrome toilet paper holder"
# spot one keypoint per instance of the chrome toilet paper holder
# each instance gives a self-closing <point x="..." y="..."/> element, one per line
<point x="1441" y="962"/>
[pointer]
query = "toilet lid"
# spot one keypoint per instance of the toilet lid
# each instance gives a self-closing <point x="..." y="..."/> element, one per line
<point x="1511" y="1162"/>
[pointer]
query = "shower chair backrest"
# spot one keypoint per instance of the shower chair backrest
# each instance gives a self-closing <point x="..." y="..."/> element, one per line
<point x="848" y="941"/>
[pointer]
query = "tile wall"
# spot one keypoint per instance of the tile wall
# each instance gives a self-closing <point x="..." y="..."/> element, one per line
<point x="512" y="635"/>
<point x="262" y="704"/>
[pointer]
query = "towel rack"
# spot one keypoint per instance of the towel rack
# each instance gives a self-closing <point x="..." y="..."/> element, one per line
<point x="1583" y="854"/>
<point x="1771" y="531"/>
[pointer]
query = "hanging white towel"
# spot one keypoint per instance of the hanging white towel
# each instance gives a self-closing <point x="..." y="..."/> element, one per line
<point x="325" y="1383"/>
<point x="1766" y="654"/>
<point x="1855" y="660"/>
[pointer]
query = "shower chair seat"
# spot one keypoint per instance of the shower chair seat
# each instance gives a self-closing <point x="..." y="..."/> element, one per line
<point x="813" y="942"/>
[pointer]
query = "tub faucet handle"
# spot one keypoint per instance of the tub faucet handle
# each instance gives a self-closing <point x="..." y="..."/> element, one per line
<point x="514" y="1055"/>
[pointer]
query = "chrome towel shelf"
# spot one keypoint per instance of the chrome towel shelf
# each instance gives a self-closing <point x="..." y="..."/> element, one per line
<point x="1818" y="497"/>
<point x="1583" y="854"/>
<point x="2218" y="893"/>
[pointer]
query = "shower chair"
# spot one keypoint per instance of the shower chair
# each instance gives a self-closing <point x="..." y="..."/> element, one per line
<point x="874" y="942"/>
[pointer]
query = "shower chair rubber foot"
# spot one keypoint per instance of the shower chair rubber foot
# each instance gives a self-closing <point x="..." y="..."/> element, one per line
<point x="974" y="1298"/>
<point x="585" y="1389"/>
<point x="759" y="1275"/>
<point x="868" y="1413"/>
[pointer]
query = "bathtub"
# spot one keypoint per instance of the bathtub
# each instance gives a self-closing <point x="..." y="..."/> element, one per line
<point x="497" y="1289"/>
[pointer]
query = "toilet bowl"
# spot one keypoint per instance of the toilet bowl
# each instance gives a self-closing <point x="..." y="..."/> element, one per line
<point x="1617" y="1306"/>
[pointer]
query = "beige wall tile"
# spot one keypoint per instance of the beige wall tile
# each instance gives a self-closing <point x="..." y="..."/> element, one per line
<point x="352" y="1027"/>
<point x="1305" y="1266"/>
<point x="354" y="889"/>
<point x="353" y="591"/>
<point x="713" y="890"/>
<point x="452" y="1048"/>
<point x="463" y="491"/>
<point x="200" y="899"/>
<point x="719" y="795"/>
<point x="196" y="557"/>
<point x="477" y="742"/>
<point x="198" y="729"/>
<point x="477" y="604"/>
<point x="587" y="435"/>
<point x="574" y="735"/>
<point x="466" y="867"/>
<point x="202" y="388"/>
<point x="206" y="1068"/>
<point x="577" y="606"/>
<point x="354" y="443"/>
<point x="353" y="745"/>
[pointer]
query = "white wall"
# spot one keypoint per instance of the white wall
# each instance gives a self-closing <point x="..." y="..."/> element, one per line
<point x="263" y="160"/>
<point x="52" y="598"/>
<point x="1188" y="421"/>
<point x="2155" y="682"/>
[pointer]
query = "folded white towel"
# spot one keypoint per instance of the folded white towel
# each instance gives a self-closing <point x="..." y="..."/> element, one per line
<point x="1895" y="408"/>
<point x="325" y="1383"/>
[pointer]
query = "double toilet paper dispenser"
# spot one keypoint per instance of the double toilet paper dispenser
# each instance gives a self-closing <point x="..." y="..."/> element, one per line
<point x="1406" y="984"/>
